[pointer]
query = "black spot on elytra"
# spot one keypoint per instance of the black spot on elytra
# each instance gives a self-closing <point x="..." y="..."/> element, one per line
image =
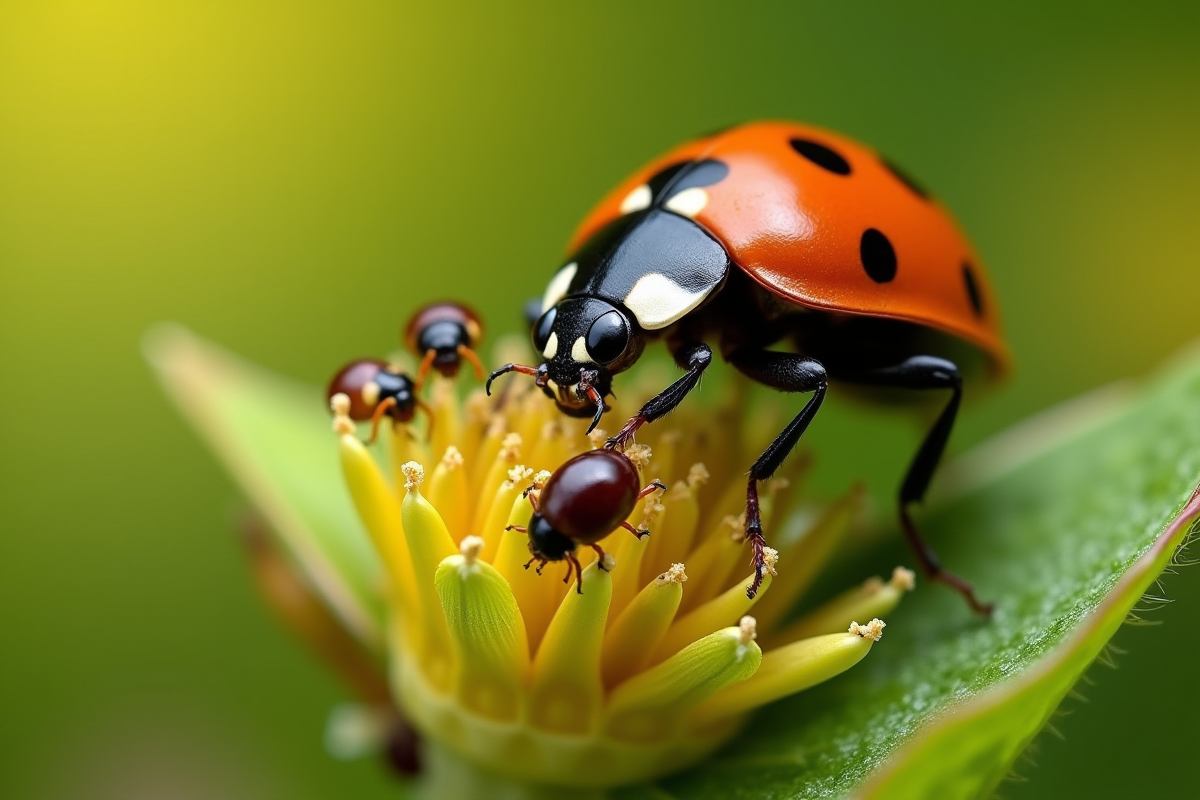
<point x="972" y="285"/>
<point x="905" y="178"/>
<point x="821" y="155"/>
<point x="878" y="256"/>
<point x="685" y="175"/>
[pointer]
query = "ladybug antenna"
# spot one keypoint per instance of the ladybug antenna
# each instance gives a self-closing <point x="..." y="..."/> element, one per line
<point x="537" y="372"/>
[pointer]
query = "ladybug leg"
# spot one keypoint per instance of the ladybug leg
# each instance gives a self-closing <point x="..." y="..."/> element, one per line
<point x="790" y="373"/>
<point x="695" y="358"/>
<point x="925" y="372"/>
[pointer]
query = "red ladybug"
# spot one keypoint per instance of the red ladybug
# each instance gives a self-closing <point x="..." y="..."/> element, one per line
<point x="586" y="499"/>
<point x="774" y="233"/>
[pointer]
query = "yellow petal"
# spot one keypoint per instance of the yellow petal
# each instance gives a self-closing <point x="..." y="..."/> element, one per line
<point x="655" y="704"/>
<point x="380" y="515"/>
<point x="533" y="592"/>
<point x="635" y="633"/>
<point x="428" y="543"/>
<point x="873" y="599"/>
<point x="792" y="669"/>
<point x="447" y="491"/>
<point x="676" y="531"/>
<point x="447" y="423"/>
<point x="715" y="614"/>
<point x="491" y="529"/>
<point x="567" y="692"/>
<point x="487" y="634"/>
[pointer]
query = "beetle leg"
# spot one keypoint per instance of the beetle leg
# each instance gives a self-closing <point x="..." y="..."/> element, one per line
<point x="790" y="373"/>
<point x="384" y="406"/>
<point x="578" y="572"/>
<point x="695" y="358"/>
<point x="925" y="372"/>
<point x="423" y="369"/>
<point x="600" y="555"/>
<point x="518" y="529"/>
<point x="634" y="531"/>
<point x="654" y="486"/>
<point x="469" y="355"/>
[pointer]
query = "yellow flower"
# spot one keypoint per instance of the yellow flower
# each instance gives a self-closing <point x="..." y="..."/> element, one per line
<point x="659" y="659"/>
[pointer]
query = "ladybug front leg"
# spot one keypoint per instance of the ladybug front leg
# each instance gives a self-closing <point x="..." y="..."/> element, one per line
<point x="925" y="372"/>
<point x="790" y="373"/>
<point x="695" y="358"/>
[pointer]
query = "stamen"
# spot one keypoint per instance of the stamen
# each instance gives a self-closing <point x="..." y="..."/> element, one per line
<point x="675" y="574"/>
<point x="903" y="579"/>
<point x="567" y="692"/>
<point x="470" y="547"/>
<point x="639" y="454"/>
<point x="653" y="705"/>
<point x="747" y="629"/>
<point x="414" y="474"/>
<point x="597" y="437"/>
<point x="340" y="405"/>
<point x="487" y="635"/>
<point x="785" y="671"/>
<point x="873" y="630"/>
<point x="732" y="604"/>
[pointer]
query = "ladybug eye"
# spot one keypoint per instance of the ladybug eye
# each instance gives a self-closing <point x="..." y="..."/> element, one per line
<point x="543" y="328"/>
<point x="608" y="337"/>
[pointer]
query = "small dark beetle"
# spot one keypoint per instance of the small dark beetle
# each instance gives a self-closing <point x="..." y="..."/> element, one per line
<point x="376" y="389"/>
<point x="442" y="335"/>
<point x="586" y="499"/>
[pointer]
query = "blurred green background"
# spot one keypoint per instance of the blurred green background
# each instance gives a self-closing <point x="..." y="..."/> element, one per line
<point x="290" y="179"/>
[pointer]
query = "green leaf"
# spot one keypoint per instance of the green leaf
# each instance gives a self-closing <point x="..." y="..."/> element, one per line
<point x="273" y="436"/>
<point x="1066" y="522"/>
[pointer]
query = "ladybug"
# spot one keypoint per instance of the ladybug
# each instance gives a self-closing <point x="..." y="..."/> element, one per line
<point x="586" y="499"/>
<point x="443" y="335"/>
<point x="376" y="389"/>
<point x="808" y="258"/>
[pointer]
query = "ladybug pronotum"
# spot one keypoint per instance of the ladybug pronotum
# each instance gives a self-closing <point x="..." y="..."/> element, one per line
<point x="766" y="234"/>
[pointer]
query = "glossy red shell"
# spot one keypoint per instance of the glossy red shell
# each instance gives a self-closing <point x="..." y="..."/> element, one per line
<point x="589" y="495"/>
<point x="795" y="228"/>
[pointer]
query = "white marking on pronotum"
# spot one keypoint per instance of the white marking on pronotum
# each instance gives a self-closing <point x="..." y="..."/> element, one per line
<point x="551" y="346"/>
<point x="689" y="202"/>
<point x="559" y="284"/>
<point x="636" y="200"/>
<point x="579" y="352"/>
<point x="657" y="301"/>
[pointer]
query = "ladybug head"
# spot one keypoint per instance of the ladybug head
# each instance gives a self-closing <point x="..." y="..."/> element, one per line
<point x="584" y="341"/>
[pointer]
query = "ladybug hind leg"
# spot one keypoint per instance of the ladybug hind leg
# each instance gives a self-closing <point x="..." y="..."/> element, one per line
<point x="787" y="372"/>
<point x="923" y="373"/>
